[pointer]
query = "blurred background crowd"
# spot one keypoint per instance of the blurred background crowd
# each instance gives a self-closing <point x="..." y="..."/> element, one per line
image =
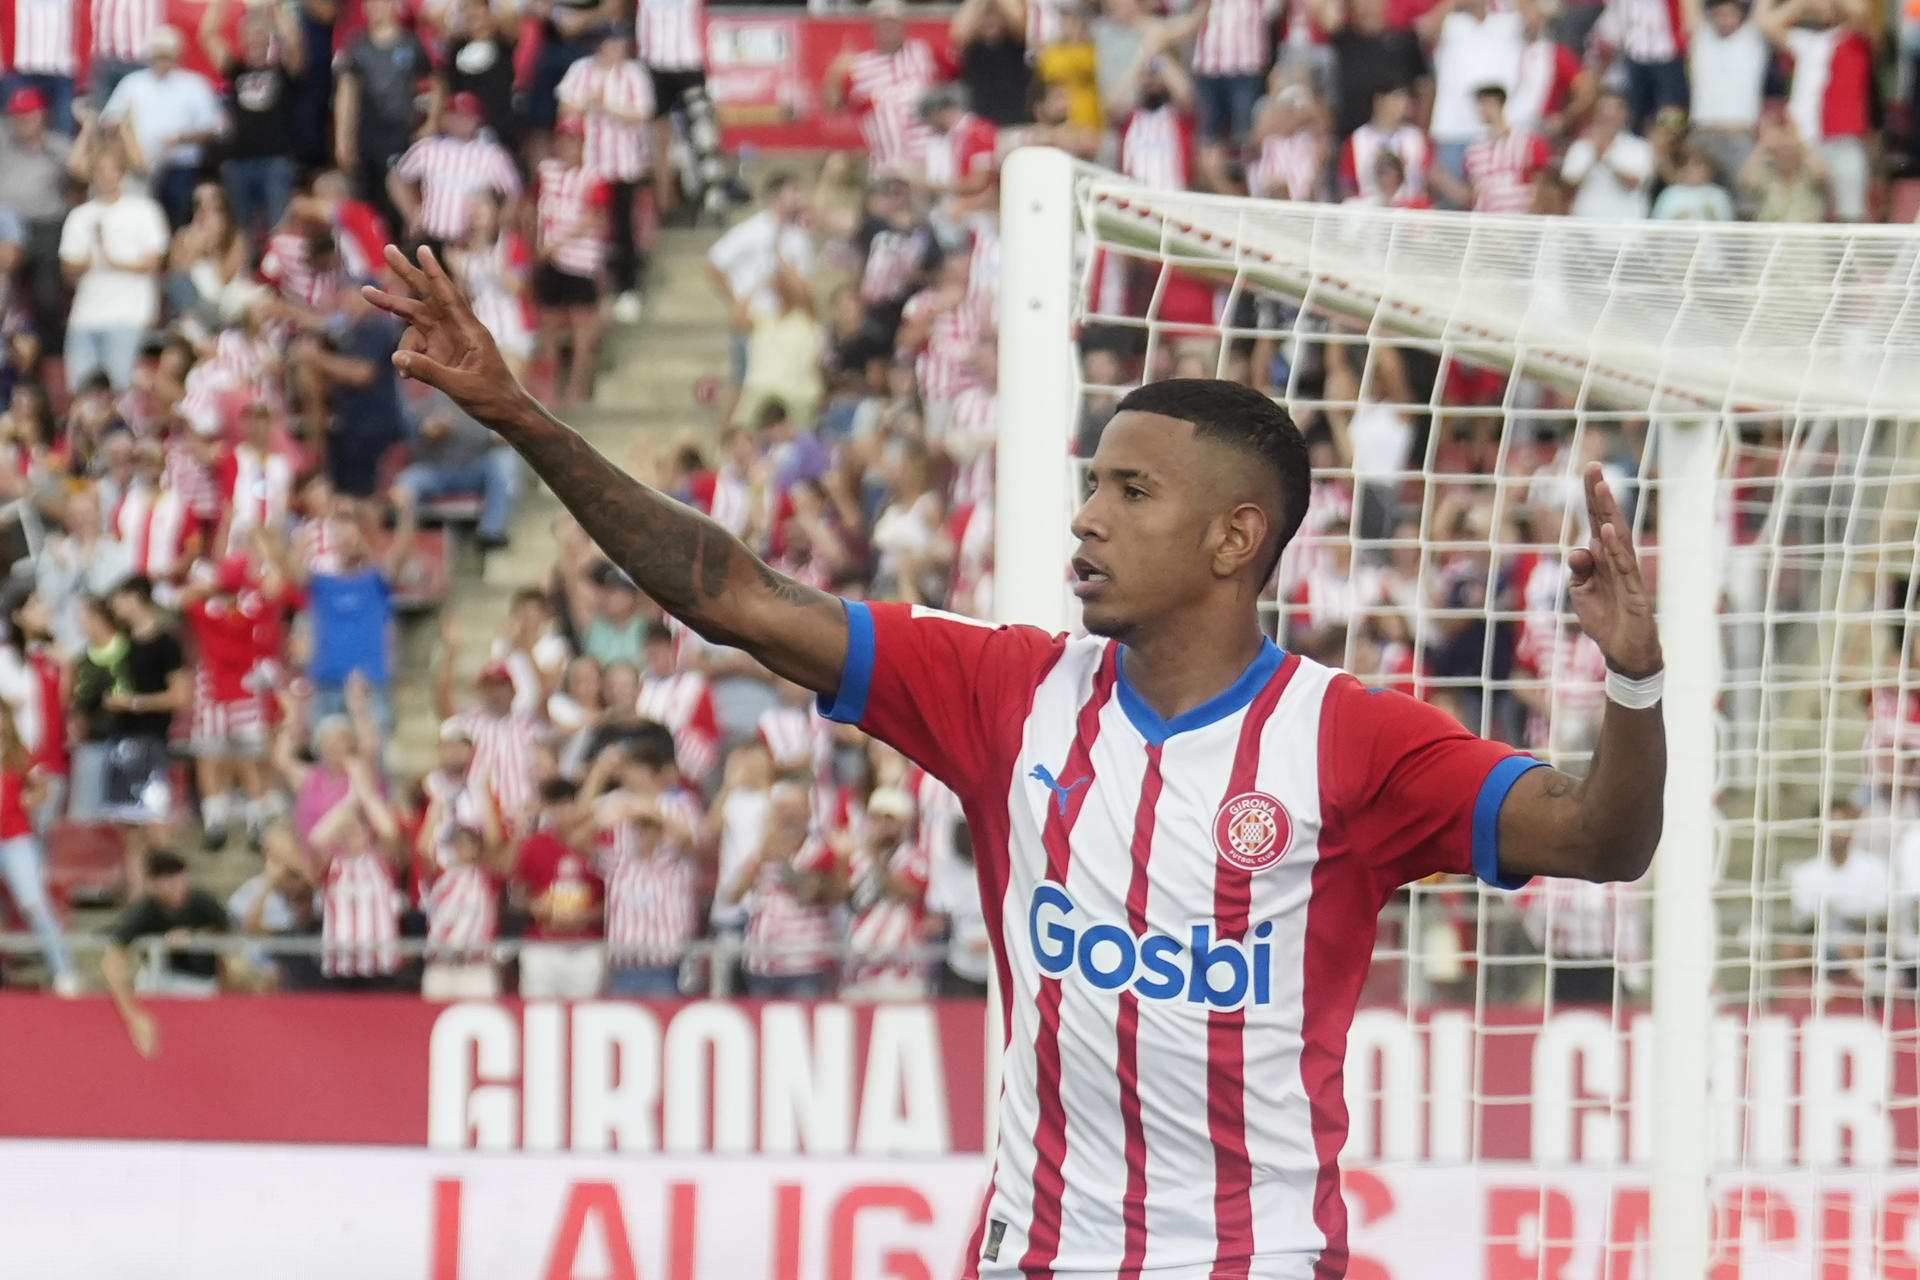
<point x="224" y="505"/>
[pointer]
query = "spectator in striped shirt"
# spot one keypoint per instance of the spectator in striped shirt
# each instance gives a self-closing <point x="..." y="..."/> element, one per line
<point x="461" y="901"/>
<point x="791" y="887"/>
<point x="1501" y="164"/>
<point x="434" y="183"/>
<point x="357" y="845"/>
<point x="888" y="873"/>
<point x="570" y="209"/>
<point x="612" y="95"/>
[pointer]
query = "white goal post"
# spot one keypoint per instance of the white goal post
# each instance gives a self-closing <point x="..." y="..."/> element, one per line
<point x="1763" y="384"/>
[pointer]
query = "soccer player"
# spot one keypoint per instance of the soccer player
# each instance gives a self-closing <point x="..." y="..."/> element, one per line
<point x="1183" y="834"/>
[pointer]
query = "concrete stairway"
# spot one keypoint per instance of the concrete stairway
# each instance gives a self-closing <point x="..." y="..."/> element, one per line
<point x="643" y="395"/>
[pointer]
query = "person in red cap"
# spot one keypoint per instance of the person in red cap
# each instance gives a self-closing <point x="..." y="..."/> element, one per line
<point x="434" y="184"/>
<point x="571" y="243"/>
<point x="505" y="742"/>
<point x="228" y="609"/>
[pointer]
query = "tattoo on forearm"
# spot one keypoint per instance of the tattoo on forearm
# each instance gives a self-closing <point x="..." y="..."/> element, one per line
<point x="676" y="555"/>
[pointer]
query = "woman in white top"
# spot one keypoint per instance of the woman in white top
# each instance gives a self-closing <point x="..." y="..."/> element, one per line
<point x="910" y="537"/>
<point x="209" y="255"/>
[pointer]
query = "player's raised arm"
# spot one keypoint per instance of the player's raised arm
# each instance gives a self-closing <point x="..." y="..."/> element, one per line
<point x="698" y="571"/>
<point x="1603" y="826"/>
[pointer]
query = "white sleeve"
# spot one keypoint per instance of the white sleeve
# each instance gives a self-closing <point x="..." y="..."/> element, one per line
<point x="730" y="248"/>
<point x="76" y="235"/>
<point x="1580" y="158"/>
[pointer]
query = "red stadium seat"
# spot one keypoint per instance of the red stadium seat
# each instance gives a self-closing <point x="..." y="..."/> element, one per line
<point x="85" y="862"/>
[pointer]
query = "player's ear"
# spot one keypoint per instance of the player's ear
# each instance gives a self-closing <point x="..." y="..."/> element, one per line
<point x="1244" y="533"/>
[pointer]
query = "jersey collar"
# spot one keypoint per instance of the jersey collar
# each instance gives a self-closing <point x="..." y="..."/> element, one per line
<point x="1234" y="697"/>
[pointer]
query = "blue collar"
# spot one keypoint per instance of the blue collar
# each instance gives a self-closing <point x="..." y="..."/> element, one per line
<point x="1223" y="704"/>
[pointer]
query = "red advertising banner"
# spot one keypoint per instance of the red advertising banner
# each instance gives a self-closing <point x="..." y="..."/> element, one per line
<point x="834" y="1079"/>
<point x="765" y="72"/>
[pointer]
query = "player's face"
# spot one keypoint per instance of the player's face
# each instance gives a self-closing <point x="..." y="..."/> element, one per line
<point x="1145" y="527"/>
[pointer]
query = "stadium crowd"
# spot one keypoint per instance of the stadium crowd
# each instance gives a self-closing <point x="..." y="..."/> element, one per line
<point x="224" y="498"/>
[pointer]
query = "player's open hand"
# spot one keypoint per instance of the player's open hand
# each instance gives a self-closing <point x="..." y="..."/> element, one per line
<point x="445" y="345"/>
<point x="1609" y="596"/>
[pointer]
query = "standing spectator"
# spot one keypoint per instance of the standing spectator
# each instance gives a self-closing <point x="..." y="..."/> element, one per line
<point x="1067" y="64"/>
<point x="166" y="115"/>
<point x="1652" y="39"/>
<point x="225" y="618"/>
<point x="961" y="152"/>
<point x="376" y="76"/>
<point x="783" y="358"/>
<point x="491" y="266"/>
<point x="653" y="906"/>
<point x="1609" y="166"/>
<point x="1369" y="58"/>
<point x="569" y="31"/>
<point x="1592" y="937"/>
<point x="1475" y="47"/>
<point x="955" y="915"/>
<point x="43" y="38"/>
<point x="152" y="519"/>
<point x="23" y="859"/>
<point x="616" y="630"/>
<point x="1842" y="896"/>
<point x="33" y="183"/>
<point x="884" y="86"/>
<point x="612" y="94"/>
<point x="680" y="698"/>
<point x="123" y="32"/>
<point x="570" y="207"/>
<point x="1389" y="131"/>
<point x="84" y="560"/>
<point x="889" y="875"/>
<point x="1156" y="139"/>
<point x="355" y="844"/>
<point x="555" y="882"/>
<point x="480" y="60"/>
<point x="1500" y="165"/>
<point x="176" y="911"/>
<point x="989" y="42"/>
<point x="350" y="612"/>
<point x="791" y="888"/>
<point x="357" y="381"/>
<point x="1552" y="91"/>
<point x="670" y="37"/>
<point x="504" y="740"/>
<point x="258" y="172"/>
<point x="898" y="252"/>
<point x="1290" y="151"/>
<point x="151" y="686"/>
<point x="34" y="687"/>
<point x="111" y="247"/>
<point x="452" y="454"/>
<point x="254" y="480"/>
<point x="743" y="262"/>
<point x="434" y="183"/>
<point x="462" y="906"/>
<point x="1728" y="57"/>
<point x="1831" y="101"/>
<point x="1230" y="61"/>
<point x="277" y="902"/>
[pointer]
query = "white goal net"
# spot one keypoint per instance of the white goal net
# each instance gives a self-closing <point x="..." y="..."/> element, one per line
<point x="1713" y="1072"/>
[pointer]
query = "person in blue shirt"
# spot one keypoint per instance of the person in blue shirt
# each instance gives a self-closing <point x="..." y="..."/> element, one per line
<point x="350" y="612"/>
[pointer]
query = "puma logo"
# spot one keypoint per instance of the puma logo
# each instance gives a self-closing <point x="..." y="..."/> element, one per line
<point x="1043" y="775"/>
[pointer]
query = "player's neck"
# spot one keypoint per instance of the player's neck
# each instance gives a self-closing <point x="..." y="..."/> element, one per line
<point x="1176" y="669"/>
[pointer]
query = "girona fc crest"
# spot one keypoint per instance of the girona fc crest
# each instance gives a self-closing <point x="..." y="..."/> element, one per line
<point x="1252" y="831"/>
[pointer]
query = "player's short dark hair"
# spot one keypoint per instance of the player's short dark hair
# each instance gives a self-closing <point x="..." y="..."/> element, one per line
<point x="1237" y="415"/>
<point x="162" y="863"/>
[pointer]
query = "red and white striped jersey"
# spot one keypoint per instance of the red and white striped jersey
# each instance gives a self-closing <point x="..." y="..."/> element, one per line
<point x="462" y="906"/>
<point x="944" y="366"/>
<point x="1183" y="914"/>
<point x="1543" y="82"/>
<point x="286" y="268"/>
<point x="154" y="525"/>
<point x="970" y="439"/>
<point x="653" y="906"/>
<point x="1581" y="920"/>
<point x="1648" y="30"/>
<point x="1501" y="170"/>
<point x="193" y="480"/>
<point x="888" y="926"/>
<point x="616" y="149"/>
<point x="1156" y="148"/>
<point x="785" y="935"/>
<point x="1893" y="738"/>
<point x="886" y="88"/>
<point x="484" y="274"/>
<point x="450" y="173"/>
<point x="1363" y="150"/>
<point x="795" y="736"/>
<point x="124" y="29"/>
<point x="1287" y="167"/>
<point x="1237" y="39"/>
<point x="983" y="263"/>
<point x="461" y="805"/>
<point x="257" y="488"/>
<point x="360" y="917"/>
<point x="671" y="35"/>
<point x="733" y="500"/>
<point x="963" y="152"/>
<point x="316" y="547"/>
<point x="503" y="752"/>
<point x="569" y="211"/>
<point x="1575" y="672"/>
<point x="684" y="703"/>
<point x="43" y="37"/>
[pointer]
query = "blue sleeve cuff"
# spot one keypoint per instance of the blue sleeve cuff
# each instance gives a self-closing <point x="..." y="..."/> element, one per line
<point x="1486" y="819"/>
<point x="849" y="702"/>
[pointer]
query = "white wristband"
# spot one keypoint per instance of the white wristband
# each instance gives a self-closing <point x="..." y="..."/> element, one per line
<point x="1636" y="695"/>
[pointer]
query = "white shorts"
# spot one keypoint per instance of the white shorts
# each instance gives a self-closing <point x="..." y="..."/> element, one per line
<point x="562" y="970"/>
<point x="448" y="980"/>
<point x="236" y="728"/>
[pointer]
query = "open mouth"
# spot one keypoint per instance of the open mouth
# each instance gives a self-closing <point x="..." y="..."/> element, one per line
<point x="1088" y="577"/>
